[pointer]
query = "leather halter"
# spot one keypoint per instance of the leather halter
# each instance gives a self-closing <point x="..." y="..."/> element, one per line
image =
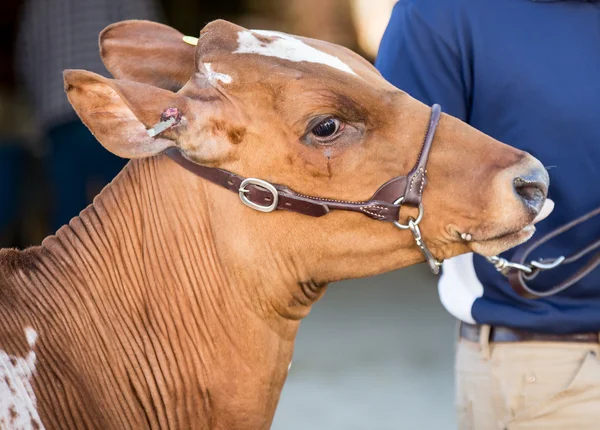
<point x="383" y="206"/>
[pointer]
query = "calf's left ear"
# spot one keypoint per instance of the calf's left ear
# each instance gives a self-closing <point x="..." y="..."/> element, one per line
<point x="119" y="113"/>
<point x="147" y="52"/>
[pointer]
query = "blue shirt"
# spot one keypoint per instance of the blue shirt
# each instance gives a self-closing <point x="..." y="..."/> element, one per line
<point x="528" y="74"/>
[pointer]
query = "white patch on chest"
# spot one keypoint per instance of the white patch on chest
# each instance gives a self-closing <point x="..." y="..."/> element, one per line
<point x="286" y="47"/>
<point x="17" y="399"/>
<point x="214" y="76"/>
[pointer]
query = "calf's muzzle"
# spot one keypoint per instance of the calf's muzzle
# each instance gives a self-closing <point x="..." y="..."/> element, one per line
<point x="532" y="188"/>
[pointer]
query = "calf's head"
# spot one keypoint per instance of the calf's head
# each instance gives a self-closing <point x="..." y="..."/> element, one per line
<point x="319" y="119"/>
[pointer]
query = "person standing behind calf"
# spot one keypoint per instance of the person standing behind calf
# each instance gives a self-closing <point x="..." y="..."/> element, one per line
<point x="528" y="74"/>
<point x="55" y="35"/>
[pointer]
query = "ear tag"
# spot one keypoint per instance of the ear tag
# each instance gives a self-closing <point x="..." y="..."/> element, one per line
<point x="168" y="119"/>
<point x="190" y="40"/>
<point x="160" y="127"/>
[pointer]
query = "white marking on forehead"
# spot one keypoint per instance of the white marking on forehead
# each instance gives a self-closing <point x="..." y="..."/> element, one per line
<point x="286" y="47"/>
<point x="214" y="76"/>
<point x="17" y="398"/>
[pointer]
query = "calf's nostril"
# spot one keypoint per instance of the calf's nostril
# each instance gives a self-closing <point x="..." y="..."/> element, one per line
<point x="532" y="190"/>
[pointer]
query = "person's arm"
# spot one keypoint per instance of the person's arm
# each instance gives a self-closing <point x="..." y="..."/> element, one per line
<point x="423" y="58"/>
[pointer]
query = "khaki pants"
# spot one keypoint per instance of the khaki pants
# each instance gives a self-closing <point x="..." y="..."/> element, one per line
<point x="528" y="385"/>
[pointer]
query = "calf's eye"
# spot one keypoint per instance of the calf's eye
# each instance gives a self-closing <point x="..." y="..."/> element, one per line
<point x="327" y="129"/>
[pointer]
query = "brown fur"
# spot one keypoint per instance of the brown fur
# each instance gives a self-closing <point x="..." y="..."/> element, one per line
<point x="234" y="134"/>
<point x="170" y="304"/>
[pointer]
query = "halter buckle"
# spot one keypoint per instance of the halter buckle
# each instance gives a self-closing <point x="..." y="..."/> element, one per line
<point x="263" y="184"/>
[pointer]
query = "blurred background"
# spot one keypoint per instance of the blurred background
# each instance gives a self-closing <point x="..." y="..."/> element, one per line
<point x="374" y="354"/>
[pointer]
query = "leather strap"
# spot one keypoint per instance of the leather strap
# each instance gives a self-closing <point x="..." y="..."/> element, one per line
<point x="383" y="206"/>
<point x="472" y="333"/>
<point x="417" y="178"/>
<point x="287" y="199"/>
<point x="412" y="185"/>
<point x="518" y="279"/>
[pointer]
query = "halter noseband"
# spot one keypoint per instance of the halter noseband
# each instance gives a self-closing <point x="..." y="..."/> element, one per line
<point x="266" y="197"/>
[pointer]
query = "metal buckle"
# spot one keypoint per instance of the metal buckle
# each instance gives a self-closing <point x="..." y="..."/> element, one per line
<point x="264" y="184"/>
<point x="415" y="222"/>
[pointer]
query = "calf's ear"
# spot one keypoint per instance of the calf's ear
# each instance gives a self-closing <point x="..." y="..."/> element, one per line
<point x="148" y="52"/>
<point x="118" y="113"/>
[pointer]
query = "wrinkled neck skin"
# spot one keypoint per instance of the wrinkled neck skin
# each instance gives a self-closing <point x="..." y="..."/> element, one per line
<point x="155" y="310"/>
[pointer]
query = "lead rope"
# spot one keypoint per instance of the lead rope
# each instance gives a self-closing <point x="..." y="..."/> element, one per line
<point x="519" y="271"/>
<point x="503" y="265"/>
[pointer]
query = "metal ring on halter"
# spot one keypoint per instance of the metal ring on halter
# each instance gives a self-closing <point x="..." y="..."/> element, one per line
<point x="416" y="222"/>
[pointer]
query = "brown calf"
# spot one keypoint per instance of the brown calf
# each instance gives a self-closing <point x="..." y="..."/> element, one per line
<point x="170" y="304"/>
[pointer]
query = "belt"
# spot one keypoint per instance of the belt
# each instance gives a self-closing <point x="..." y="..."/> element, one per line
<point x="471" y="332"/>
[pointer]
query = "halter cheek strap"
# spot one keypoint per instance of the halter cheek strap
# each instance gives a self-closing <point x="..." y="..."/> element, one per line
<point x="263" y="196"/>
<point x="411" y="186"/>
